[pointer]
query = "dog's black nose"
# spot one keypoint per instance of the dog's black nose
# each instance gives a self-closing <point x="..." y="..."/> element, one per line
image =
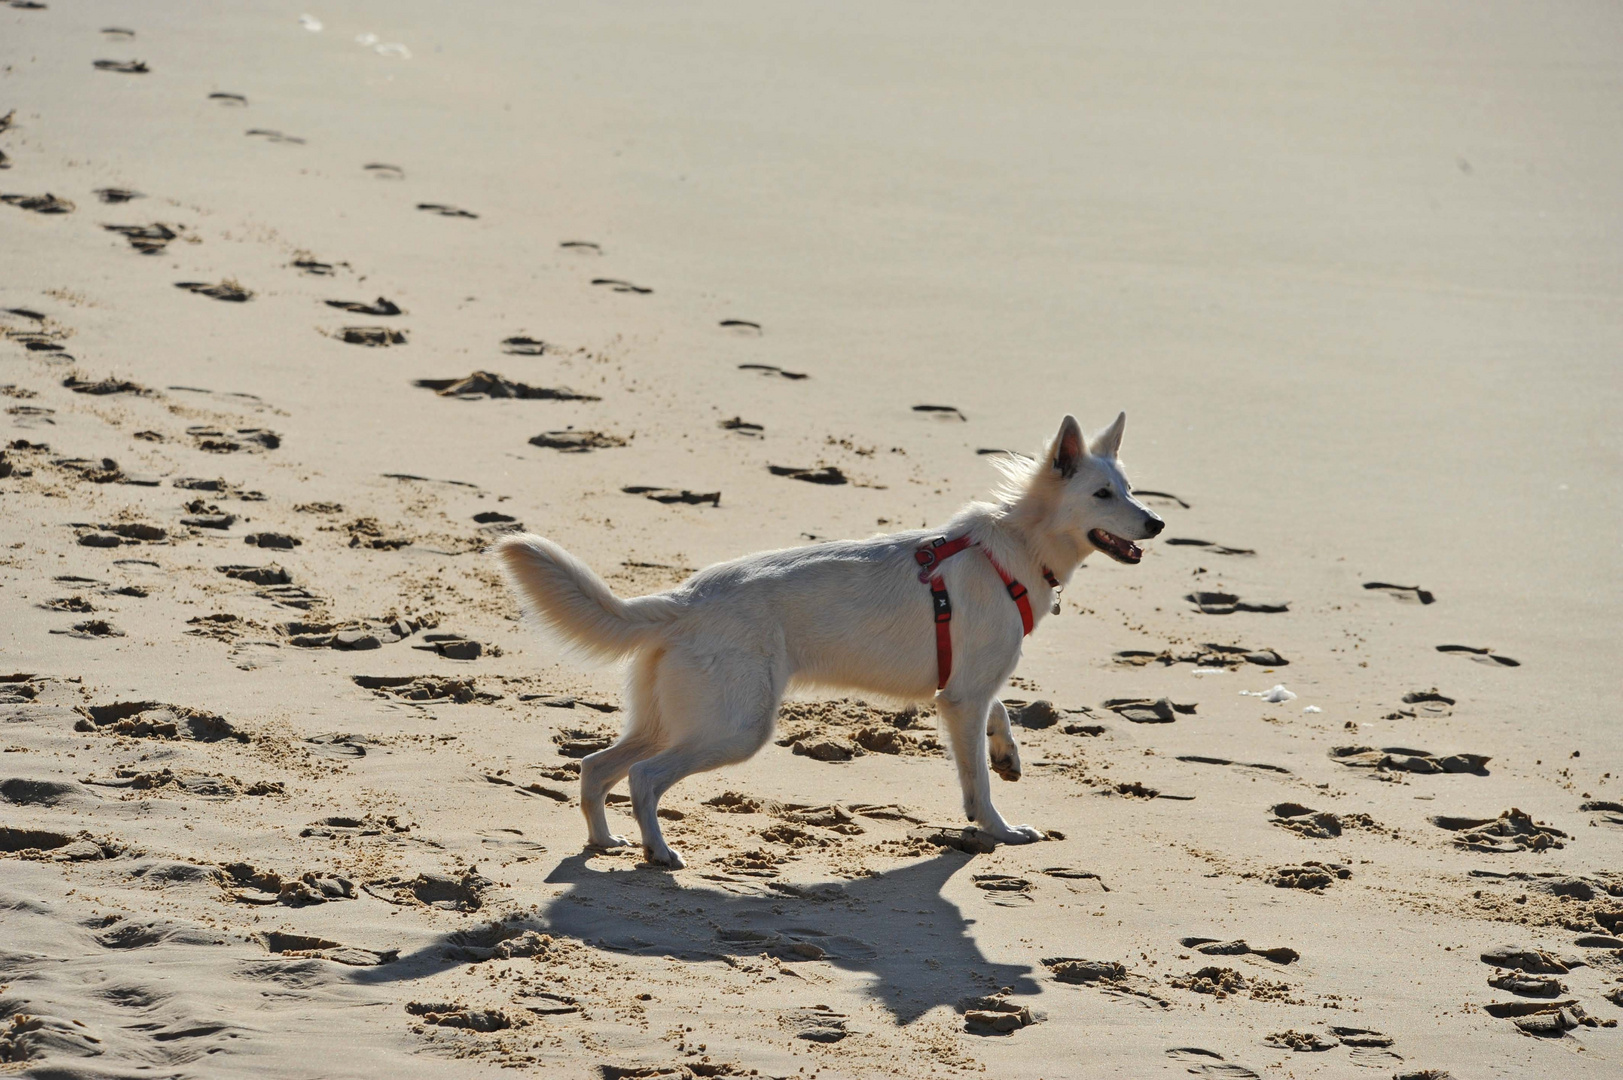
<point x="1156" y="525"/>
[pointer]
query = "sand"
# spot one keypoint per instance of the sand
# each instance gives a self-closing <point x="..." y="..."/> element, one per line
<point x="287" y="786"/>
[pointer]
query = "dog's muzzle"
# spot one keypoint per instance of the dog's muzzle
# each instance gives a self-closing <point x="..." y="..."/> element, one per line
<point x="1123" y="551"/>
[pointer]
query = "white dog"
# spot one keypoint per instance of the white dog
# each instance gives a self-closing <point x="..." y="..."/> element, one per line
<point x="896" y="615"/>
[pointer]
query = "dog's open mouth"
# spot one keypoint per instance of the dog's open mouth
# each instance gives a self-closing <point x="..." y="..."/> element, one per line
<point x="1124" y="551"/>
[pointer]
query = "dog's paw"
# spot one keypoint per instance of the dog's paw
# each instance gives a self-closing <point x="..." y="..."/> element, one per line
<point x="1017" y="834"/>
<point x="1008" y="768"/>
<point x="663" y="856"/>
<point x="611" y="842"/>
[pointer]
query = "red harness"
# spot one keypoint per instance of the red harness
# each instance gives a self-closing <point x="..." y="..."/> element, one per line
<point x="930" y="557"/>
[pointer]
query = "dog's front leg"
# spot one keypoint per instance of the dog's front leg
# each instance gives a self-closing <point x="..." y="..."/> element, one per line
<point x="966" y="723"/>
<point x="1000" y="745"/>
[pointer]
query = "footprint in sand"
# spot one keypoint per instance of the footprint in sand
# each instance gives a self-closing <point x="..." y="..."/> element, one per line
<point x="1069" y="874"/>
<point x="1301" y="1041"/>
<point x="1481" y="656"/>
<point x="519" y="345"/>
<point x="117" y="195"/>
<point x="34" y="342"/>
<point x="1209" y="655"/>
<point x="772" y="369"/>
<point x="1007" y="891"/>
<point x="91" y="629"/>
<point x="667" y="496"/>
<point x="454" y="647"/>
<point x="223" y="441"/>
<point x="741" y="327"/>
<point x="1137" y="790"/>
<point x="571" y="441"/>
<point x="1546" y="1019"/>
<point x="444" y="210"/>
<point x="39" y="204"/>
<point x="1223" y="603"/>
<point x="827" y="474"/>
<point x="1210" y="1063"/>
<point x="338" y="745"/>
<point x="228" y="289"/>
<point x="1407" y="759"/>
<point x="1199" y="759"/>
<point x="1412" y="594"/>
<point x="224" y="488"/>
<point x="1146" y="711"/>
<point x="373" y="337"/>
<point x="1319" y="824"/>
<point x="742" y="426"/>
<point x="1311" y="875"/>
<point x="582" y="247"/>
<point x="78" y="605"/>
<point x="1513" y="830"/>
<point x="1158" y="498"/>
<point x="531" y="789"/>
<point x="1611" y="811"/>
<point x="347" y="637"/>
<point x="994" y="1014"/>
<point x="568" y="701"/>
<point x="305" y="263"/>
<point x="102" y="387"/>
<point x="57" y="847"/>
<point x="941" y="412"/>
<point x="621" y="286"/>
<point x="236" y="101"/>
<point x="256" y="575"/>
<point x="270" y="135"/>
<point x="425" y="688"/>
<point x="339" y="826"/>
<point x="254" y="886"/>
<point x="496" y="523"/>
<point x="385" y="172"/>
<point x="26" y="792"/>
<point x="380" y="306"/>
<point x="1428" y="703"/>
<point x="1219" y="947"/>
<point x="146" y="239"/>
<point x="490" y="385"/>
<point x="156" y="720"/>
<point x="124" y="67"/>
<point x="111" y="33"/>
<point x="129" y="532"/>
<point x="279" y="541"/>
<point x="304" y="946"/>
<point x="1206" y="545"/>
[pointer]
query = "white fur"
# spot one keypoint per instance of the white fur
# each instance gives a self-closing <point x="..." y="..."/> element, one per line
<point x="712" y="658"/>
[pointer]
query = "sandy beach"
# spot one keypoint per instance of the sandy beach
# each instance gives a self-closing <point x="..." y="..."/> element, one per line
<point x="302" y="308"/>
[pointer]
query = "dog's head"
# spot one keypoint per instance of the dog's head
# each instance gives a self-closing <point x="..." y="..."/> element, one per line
<point x="1095" y="503"/>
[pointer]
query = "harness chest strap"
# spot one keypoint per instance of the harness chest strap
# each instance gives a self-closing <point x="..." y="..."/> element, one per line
<point x="929" y="557"/>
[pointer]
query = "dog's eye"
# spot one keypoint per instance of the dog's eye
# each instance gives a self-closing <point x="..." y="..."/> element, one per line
<point x="1104" y="493"/>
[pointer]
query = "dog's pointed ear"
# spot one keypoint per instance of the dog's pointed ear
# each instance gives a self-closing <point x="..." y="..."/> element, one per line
<point x="1108" y="441"/>
<point x="1069" y="448"/>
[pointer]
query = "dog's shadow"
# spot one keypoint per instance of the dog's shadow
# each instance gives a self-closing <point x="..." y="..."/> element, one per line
<point x="896" y="927"/>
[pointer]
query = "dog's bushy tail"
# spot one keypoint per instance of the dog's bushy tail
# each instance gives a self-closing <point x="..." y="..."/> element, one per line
<point x="572" y="602"/>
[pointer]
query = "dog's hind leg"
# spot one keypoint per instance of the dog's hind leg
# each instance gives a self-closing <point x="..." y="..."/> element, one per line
<point x="599" y="772"/>
<point x="1000" y="745"/>
<point x="966" y="721"/>
<point x="715" y="711"/>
